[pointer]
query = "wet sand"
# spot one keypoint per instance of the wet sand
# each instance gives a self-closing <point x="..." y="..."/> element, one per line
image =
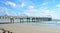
<point x="29" y="28"/>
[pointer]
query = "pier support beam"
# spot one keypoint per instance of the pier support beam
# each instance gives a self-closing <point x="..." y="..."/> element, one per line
<point x="36" y="19"/>
<point x="28" y="19"/>
<point x="33" y="19"/>
<point x="49" y="19"/>
<point x="21" y="20"/>
<point x="11" y="20"/>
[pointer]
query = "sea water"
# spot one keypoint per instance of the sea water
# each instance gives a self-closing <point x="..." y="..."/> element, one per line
<point x="53" y="23"/>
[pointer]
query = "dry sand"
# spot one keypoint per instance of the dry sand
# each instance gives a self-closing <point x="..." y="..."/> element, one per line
<point x="29" y="28"/>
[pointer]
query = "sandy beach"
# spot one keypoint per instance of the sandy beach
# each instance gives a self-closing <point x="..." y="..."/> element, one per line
<point x="29" y="28"/>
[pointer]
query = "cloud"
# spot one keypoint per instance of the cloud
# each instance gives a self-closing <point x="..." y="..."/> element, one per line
<point x="58" y="5"/>
<point x="22" y="5"/>
<point x="37" y="12"/>
<point x="3" y="11"/>
<point x="10" y="4"/>
<point x="30" y="7"/>
<point x="55" y="16"/>
<point x="44" y="4"/>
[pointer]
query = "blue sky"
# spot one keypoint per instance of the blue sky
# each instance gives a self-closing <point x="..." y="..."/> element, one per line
<point x="50" y="8"/>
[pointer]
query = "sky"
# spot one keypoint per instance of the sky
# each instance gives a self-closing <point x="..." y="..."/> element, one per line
<point x="42" y="8"/>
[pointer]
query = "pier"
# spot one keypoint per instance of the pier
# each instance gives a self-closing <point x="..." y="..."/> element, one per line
<point x="22" y="19"/>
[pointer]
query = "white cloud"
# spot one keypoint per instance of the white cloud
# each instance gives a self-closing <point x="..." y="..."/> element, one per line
<point x="4" y="11"/>
<point x="44" y="4"/>
<point x="22" y="5"/>
<point x="31" y="7"/>
<point x="58" y="5"/>
<point x="55" y="16"/>
<point x="37" y="12"/>
<point x="10" y="4"/>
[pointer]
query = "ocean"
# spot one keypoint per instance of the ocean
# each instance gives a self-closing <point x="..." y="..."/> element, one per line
<point x="53" y="23"/>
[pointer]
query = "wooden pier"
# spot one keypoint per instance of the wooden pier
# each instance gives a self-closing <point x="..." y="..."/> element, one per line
<point x="25" y="18"/>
